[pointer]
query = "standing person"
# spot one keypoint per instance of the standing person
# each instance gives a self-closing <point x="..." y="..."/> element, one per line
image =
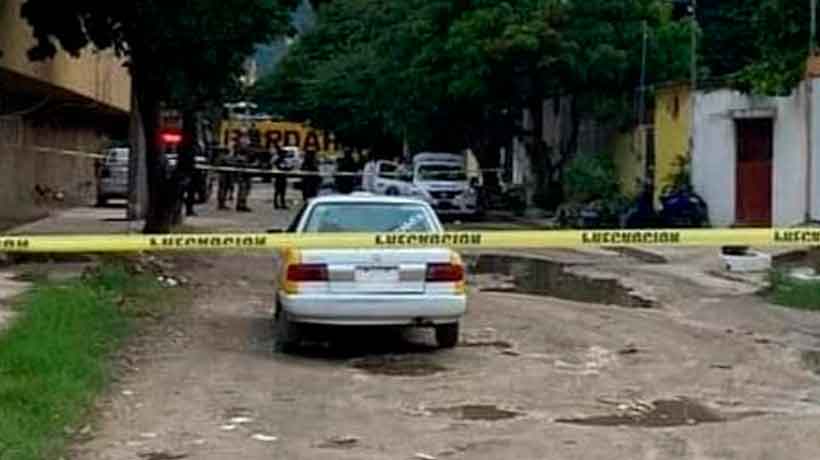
<point x="196" y="179"/>
<point x="244" y="178"/>
<point x="345" y="182"/>
<point x="311" y="180"/>
<point x="226" y="179"/>
<point x="280" y="185"/>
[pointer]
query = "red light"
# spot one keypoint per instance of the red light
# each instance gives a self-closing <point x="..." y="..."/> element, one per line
<point x="307" y="272"/>
<point x="171" y="138"/>
<point x="445" y="273"/>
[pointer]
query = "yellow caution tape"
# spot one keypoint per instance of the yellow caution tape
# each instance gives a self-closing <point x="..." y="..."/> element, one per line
<point x="491" y="239"/>
<point x="300" y="173"/>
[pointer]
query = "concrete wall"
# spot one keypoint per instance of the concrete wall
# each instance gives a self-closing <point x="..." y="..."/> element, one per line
<point x="814" y="204"/>
<point x="24" y="168"/>
<point x="672" y="119"/>
<point x="715" y="152"/>
<point x="98" y="76"/>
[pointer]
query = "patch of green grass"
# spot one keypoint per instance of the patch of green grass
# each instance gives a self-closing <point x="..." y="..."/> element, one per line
<point x="56" y="356"/>
<point x="790" y="292"/>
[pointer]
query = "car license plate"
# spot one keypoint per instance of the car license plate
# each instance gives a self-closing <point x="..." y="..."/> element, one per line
<point x="377" y="275"/>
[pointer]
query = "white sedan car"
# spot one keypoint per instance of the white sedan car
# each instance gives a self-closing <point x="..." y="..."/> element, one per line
<point x="369" y="287"/>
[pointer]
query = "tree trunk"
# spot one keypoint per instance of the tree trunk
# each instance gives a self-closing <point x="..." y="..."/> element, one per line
<point x="536" y="149"/>
<point x="137" y="174"/>
<point x="567" y="150"/>
<point x="161" y="193"/>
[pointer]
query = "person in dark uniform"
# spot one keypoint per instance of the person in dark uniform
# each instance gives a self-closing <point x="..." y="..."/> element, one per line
<point x="280" y="185"/>
<point x="311" y="181"/>
<point x="244" y="179"/>
<point x="345" y="182"/>
<point x="226" y="179"/>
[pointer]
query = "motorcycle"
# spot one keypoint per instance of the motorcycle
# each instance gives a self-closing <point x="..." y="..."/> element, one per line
<point x="681" y="207"/>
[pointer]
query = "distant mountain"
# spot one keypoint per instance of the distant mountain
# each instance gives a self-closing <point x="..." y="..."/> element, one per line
<point x="268" y="56"/>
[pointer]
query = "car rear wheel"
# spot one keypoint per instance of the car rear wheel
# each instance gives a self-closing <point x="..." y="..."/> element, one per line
<point x="286" y="334"/>
<point x="447" y="335"/>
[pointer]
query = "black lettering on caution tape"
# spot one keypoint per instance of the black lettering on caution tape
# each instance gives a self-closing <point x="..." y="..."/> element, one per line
<point x="428" y="239"/>
<point x="631" y="237"/>
<point x="226" y="242"/>
<point x="14" y="243"/>
<point x="797" y="236"/>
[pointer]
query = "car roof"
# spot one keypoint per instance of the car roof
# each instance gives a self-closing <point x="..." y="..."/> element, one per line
<point x="357" y="198"/>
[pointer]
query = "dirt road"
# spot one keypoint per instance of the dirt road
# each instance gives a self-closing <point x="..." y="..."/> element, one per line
<point x="701" y="374"/>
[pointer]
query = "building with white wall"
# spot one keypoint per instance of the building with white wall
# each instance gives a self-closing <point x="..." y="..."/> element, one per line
<point x="754" y="160"/>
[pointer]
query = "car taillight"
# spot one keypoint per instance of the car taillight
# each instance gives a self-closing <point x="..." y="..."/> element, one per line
<point x="299" y="273"/>
<point x="445" y="273"/>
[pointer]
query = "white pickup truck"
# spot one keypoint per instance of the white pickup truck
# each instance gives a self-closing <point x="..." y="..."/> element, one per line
<point x="440" y="179"/>
<point x="384" y="177"/>
<point x="443" y="176"/>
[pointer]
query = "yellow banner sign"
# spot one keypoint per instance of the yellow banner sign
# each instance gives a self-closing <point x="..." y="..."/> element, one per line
<point x="268" y="134"/>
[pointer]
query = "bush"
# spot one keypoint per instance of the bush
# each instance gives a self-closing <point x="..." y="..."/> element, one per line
<point x="591" y="177"/>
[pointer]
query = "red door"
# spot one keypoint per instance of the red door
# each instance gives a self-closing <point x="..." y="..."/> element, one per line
<point x="754" y="172"/>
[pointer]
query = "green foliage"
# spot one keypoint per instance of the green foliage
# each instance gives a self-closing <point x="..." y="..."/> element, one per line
<point x="591" y="177"/>
<point x="790" y="292"/>
<point x="459" y="73"/>
<point x="760" y="45"/>
<point x="54" y="359"/>
<point x="682" y="177"/>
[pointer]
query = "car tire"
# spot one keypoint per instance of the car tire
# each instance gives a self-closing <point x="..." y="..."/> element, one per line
<point x="447" y="335"/>
<point x="392" y="191"/>
<point x="286" y="334"/>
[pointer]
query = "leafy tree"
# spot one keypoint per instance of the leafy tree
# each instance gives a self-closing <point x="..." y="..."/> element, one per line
<point x="757" y="46"/>
<point x="182" y="53"/>
<point x="781" y="48"/>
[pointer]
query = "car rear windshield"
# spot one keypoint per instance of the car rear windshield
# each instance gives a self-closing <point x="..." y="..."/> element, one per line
<point x="442" y="172"/>
<point x="367" y="217"/>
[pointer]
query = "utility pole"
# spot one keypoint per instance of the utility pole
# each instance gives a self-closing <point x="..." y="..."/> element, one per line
<point x="694" y="83"/>
<point x="642" y="99"/>
<point x="694" y="46"/>
<point x="813" y="28"/>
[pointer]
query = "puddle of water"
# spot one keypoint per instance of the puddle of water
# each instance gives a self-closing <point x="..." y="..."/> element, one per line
<point x="162" y="456"/>
<point x="396" y="366"/>
<point x="476" y="412"/>
<point x="811" y="359"/>
<point x="659" y="414"/>
<point x="547" y="278"/>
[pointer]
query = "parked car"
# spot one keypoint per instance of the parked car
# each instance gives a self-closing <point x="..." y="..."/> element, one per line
<point x="368" y="287"/>
<point x="112" y="175"/>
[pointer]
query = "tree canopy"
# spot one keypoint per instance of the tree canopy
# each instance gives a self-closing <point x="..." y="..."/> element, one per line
<point x="186" y="51"/>
<point x="758" y="46"/>
<point x="455" y="74"/>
